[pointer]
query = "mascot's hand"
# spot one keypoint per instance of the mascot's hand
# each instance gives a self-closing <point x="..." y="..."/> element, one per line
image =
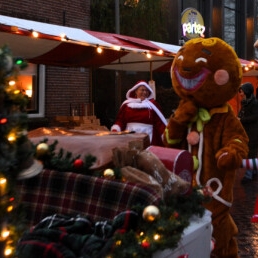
<point x="227" y="158"/>
<point x="185" y="111"/>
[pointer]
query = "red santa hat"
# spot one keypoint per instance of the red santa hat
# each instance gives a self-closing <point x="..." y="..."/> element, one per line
<point x="131" y="93"/>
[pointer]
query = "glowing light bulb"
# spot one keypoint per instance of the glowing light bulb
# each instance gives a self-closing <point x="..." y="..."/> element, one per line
<point x="2" y="181"/>
<point x="148" y="55"/>
<point x="8" y="251"/>
<point x="156" y="237"/>
<point x="117" y="48"/>
<point x="118" y="242"/>
<point x="10" y="208"/>
<point x="35" y="34"/>
<point x="99" y="50"/>
<point x="11" y="137"/>
<point x="63" y="37"/>
<point x="12" y="83"/>
<point x="5" y="233"/>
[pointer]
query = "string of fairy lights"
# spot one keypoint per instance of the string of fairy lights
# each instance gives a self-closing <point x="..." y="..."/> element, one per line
<point x="252" y="65"/>
<point x="248" y="67"/>
<point x="99" y="48"/>
<point x="12" y="103"/>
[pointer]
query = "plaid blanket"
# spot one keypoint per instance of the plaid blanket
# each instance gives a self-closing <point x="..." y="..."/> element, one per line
<point x="60" y="236"/>
<point x="52" y="192"/>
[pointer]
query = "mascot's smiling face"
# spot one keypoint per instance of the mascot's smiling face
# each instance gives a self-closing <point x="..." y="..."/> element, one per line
<point x="206" y="71"/>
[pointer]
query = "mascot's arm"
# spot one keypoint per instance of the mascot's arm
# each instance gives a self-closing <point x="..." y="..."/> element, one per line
<point x="235" y="145"/>
<point x="185" y="112"/>
<point x="176" y="129"/>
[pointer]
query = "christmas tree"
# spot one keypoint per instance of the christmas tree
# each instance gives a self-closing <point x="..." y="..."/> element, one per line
<point x="16" y="152"/>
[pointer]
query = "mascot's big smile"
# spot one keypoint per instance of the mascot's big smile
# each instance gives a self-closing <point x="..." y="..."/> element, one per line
<point x="193" y="83"/>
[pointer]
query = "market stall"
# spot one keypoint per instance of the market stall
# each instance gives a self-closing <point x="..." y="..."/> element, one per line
<point x="43" y="43"/>
<point x="98" y="50"/>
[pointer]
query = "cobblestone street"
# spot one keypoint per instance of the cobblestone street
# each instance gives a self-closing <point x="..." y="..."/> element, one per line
<point x="242" y="211"/>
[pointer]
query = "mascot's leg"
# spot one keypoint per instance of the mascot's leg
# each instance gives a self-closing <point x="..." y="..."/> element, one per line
<point x="224" y="233"/>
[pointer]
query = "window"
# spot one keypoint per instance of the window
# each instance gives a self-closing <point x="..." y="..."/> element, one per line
<point x="31" y="81"/>
<point x="229" y="22"/>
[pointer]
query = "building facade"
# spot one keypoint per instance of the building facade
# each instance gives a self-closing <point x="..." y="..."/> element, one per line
<point x="235" y="21"/>
<point x="62" y="86"/>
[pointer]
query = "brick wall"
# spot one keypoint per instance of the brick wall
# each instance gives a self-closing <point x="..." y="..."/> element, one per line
<point x="63" y="85"/>
<point x="76" y="12"/>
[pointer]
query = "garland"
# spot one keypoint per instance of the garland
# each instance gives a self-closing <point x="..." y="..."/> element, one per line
<point x="159" y="228"/>
<point x="62" y="160"/>
<point x="154" y="228"/>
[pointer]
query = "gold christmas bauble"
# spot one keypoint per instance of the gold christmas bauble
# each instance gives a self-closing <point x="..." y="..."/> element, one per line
<point x="42" y="149"/>
<point x="109" y="173"/>
<point x="151" y="213"/>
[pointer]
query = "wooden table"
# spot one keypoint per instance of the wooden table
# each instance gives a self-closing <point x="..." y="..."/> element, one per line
<point x="85" y="142"/>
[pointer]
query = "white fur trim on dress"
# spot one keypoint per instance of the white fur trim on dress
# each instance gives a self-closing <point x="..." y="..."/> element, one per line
<point x="133" y="103"/>
<point x="115" y="127"/>
<point x="139" y="104"/>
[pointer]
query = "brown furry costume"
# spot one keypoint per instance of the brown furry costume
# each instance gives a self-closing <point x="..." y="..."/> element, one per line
<point x="206" y="73"/>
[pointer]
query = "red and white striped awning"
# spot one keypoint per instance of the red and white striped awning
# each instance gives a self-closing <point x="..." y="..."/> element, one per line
<point x="65" y="46"/>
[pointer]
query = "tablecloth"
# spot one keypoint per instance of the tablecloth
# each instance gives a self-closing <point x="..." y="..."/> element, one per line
<point x="88" y="142"/>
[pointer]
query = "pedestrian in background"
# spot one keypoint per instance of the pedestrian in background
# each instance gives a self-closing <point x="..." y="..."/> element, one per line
<point x="248" y="116"/>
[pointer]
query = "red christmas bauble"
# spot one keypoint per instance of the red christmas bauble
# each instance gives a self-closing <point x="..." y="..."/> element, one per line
<point x="176" y="214"/>
<point x="78" y="163"/>
<point x="145" y="244"/>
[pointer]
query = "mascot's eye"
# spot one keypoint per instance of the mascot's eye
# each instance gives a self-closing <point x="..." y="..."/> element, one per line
<point x="180" y="58"/>
<point x="201" y="59"/>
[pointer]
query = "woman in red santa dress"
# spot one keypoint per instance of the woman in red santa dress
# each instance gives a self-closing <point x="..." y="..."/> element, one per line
<point x="141" y="113"/>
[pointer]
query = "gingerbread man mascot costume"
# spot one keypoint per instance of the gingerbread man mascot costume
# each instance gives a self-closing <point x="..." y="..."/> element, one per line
<point x="206" y="74"/>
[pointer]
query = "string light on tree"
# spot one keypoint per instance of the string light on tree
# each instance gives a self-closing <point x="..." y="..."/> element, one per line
<point x="13" y="125"/>
<point x="3" y="182"/>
